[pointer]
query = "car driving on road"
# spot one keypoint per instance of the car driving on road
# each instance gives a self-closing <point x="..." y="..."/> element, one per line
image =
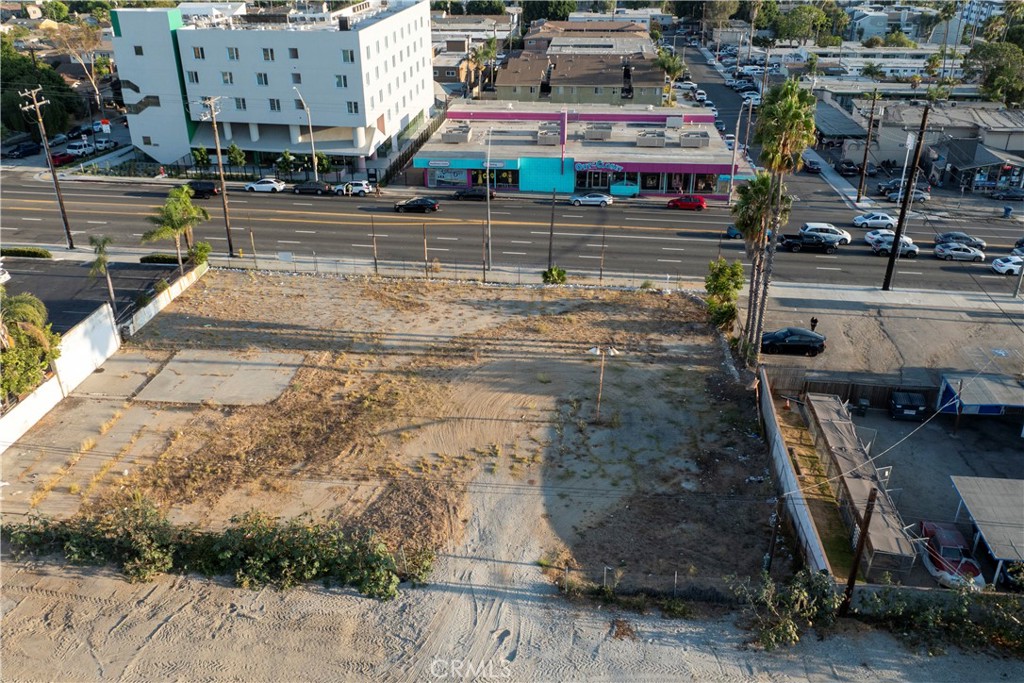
<point x="265" y="185"/>
<point x="827" y="229"/>
<point x="62" y="158"/>
<point x="689" y="202"/>
<point x="960" y="238"/>
<point x="809" y="242"/>
<point x="951" y="251"/>
<point x="793" y="340"/>
<point x="422" y="204"/>
<point x="1008" y="265"/>
<point x="883" y="247"/>
<point x="591" y="199"/>
<point x="874" y="220"/>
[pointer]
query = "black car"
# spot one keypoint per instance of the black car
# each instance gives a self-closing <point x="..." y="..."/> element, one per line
<point x="79" y="131"/>
<point x="203" y="189"/>
<point x="422" y="204"/>
<point x="872" y="169"/>
<point x="746" y="86"/>
<point x="1009" y="195"/>
<point x="478" y="193"/>
<point x="812" y="166"/>
<point x="313" y="187"/>
<point x="960" y="238"/>
<point x="846" y="167"/>
<point x="25" y="149"/>
<point x="793" y="340"/>
<point x="810" y="241"/>
<point x="720" y="126"/>
<point x="893" y="185"/>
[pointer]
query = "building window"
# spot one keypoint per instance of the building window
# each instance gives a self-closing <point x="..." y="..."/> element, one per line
<point x="449" y="72"/>
<point x="297" y="78"/>
<point x="353" y="107"/>
<point x="367" y="51"/>
<point x="240" y="103"/>
<point x="298" y="104"/>
<point x="597" y="91"/>
<point x="341" y="81"/>
<point x="146" y="140"/>
<point x="268" y="54"/>
<point x="348" y="56"/>
<point x="275" y="105"/>
<point x="233" y="54"/>
<point x="193" y="76"/>
<point x="293" y="53"/>
<point x="435" y="73"/>
<point x="261" y="79"/>
<point x="227" y="77"/>
<point x="138" y="50"/>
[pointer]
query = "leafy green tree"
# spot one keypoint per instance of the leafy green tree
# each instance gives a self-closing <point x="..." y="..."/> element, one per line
<point x="722" y="284"/>
<point x="201" y="157"/>
<point x="1000" y="69"/>
<point x="99" y="267"/>
<point x="718" y="14"/>
<point x="670" y="64"/>
<point x="236" y="157"/>
<point x="801" y="23"/>
<point x="55" y="10"/>
<point x="872" y="71"/>
<point x="1015" y="35"/>
<point x="785" y="128"/>
<point x="323" y="163"/>
<point x="285" y="163"/>
<point x="27" y="344"/>
<point x="897" y="38"/>
<point x="175" y="219"/>
<point x="602" y="6"/>
<point x="932" y="64"/>
<point x="874" y="41"/>
<point x="486" y="7"/>
<point x="552" y="10"/>
<point x="812" y="64"/>
<point x="18" y="72"/>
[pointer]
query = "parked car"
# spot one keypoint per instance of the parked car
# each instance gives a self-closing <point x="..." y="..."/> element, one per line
<point x="689" y="202"/>
<point x="62" y="158"/>
<point x="875" y="219"/>
<point x="422" y="204"/>
<point x="79" y="131"/>
<point x="103" y="144"/>
<point x="359" y="188"/>
<point x="700" y="95"/>
<point x="846" y="167"/>
<point x="894" y="184"/>
<point x="685" y="85"/>
<point x="477" y="193"/>
<point x="793" y="340"/>
<point x="730" y="82"/>
<point x="745" y="86"/>
<point x="809" y="242"/>
<point x="883" y="247"/>
<point x="947" y="558"/>
<point x="872" y="169"/>
<point x="812" y="166"/>
<point x="720" y="126"/>
<point x="1008" y="265"/>
<point x="951" y="251"/>
<point x="316" y="187"/>
<point x="1013" y="195"/>
<point x="204" y="189"/>
<point x="960" y="238"/>
<point x="908" y="405"/>
<point x="265" y="185"/>
<point x="58" y="139"/>
<point x="25" y="149"/>
<point x="916" y="196"/>
<point x="591" y="199"/>
<point x="826" y="229"/>
<point x="80" y="148"/>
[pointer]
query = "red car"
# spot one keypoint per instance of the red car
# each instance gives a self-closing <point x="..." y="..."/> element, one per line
<point x="61" y="158"/>
<point x="689" y="202"/>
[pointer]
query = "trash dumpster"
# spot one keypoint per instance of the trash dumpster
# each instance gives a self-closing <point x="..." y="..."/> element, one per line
<point x="1007" y="211"/>
<point x="862" y="406"/>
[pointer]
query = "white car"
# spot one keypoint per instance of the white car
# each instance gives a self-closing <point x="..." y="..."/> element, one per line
<point x="874" y="220"/>
<point x="951" y="251"/>
<point x="685" y="85"/>
<point x="58" y="139"/>
<point x="103" y="144"/>
<point x="827" y="229"/>
<point x="360" y="188"/>
<point x="591" y="199"/>
<point x="883" y="247"/>
<point x="751" y="94"/>
<point x="730" y="82"/>
<point x="265" y="185"/>
<point x="916" y="196"/>
<point x="1008" y="265"/>
<point x="876" y="236"/>
<point x="700" y="96"/>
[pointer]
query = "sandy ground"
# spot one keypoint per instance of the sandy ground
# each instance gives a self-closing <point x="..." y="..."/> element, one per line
<point x="487" y="396"/>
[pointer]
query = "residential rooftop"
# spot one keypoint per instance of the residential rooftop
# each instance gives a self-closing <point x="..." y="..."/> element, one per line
<point x="581" y="69"/>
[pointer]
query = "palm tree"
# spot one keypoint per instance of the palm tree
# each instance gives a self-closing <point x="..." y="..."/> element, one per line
<point x="27" y="345"/>
<point x="473" y="64"/>
<point x="176" y="218"/>
<point x="670" y="64"/>
<point x="872" y="71"/>
<point x="24" y="311"/>
<point x="489" y="55"/>
<point x="99" y="266"/>
<point x="784" y="130"/>
<point x="946" y="13"/>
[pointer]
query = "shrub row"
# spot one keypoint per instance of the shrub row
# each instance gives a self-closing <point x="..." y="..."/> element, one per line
<point x="159" y="258"/>
<point x="27" y="252"/>
<point x="256" y="550"/>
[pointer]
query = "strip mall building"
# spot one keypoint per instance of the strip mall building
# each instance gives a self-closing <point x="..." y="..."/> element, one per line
<point x="541" y="147"/>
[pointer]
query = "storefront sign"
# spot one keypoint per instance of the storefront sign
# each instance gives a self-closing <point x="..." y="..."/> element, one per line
<point x="494" y="164"/>
<point x="435" y="163"/>
<point x="598" y="166"/>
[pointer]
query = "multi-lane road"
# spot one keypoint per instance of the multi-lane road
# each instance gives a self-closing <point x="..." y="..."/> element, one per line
<point x="639" y="237"/>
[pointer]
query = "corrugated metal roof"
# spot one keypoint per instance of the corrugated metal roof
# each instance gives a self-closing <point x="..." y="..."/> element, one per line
<point x="832" y="123"/>
<point x="986" y="390"/>
<point x="995" y="507"/>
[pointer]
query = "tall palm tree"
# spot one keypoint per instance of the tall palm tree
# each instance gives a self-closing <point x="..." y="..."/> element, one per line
<point x="489" y="55"/>
<point x="670" y="64"/>
<point x="27" y="339"/>
<point x="99" y="266"/>
<point x="784" y="130"/>
<point x="24" y="311"/>
<point x="946" y="13"/>
<point x="753" y="218"/>
<point x="176" y="218"/>
<point x="473" y="64"/>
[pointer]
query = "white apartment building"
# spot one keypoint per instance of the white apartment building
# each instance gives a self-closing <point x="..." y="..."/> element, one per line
<point x="979" y="11"/>
<point x="364" y="72"/>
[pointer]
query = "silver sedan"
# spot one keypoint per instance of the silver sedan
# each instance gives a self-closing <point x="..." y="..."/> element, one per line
<point x="591" y="199"/>
<point x="959" y="252"/>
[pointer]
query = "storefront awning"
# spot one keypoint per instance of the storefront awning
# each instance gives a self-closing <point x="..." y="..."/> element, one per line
<point x="961" y="157"/>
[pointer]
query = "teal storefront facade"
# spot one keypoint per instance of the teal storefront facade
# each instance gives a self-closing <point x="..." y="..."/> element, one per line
<point x="527" y="174"/>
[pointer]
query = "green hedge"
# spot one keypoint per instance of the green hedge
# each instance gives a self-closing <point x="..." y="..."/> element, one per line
<point x="159" y="258"/>
<point x="28" y="252"/>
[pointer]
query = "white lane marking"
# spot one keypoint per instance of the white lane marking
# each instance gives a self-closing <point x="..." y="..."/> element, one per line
<point x="668" y="260"/>
<point x="223" y="239"/>
<point x="672" y="249"/>
<point x="288" y="242"/>
<point x="139" y="234"/>
<point x="593" y="257"/>
<point x="565" y="215"/>
<point x="363" y="246"/>
<point x="436" y="249"/>
<point x="502" y="213"/>
<point x="655" y="220"/>
<point x="96" y="222"/>
<point x="824" y="268"/>
<point x="31" y="219"/>
<point x="370" y="235"/>
<point x="910" y="272"/>
<point x="448" y="239"/>
<point x="238" y="201"/>
<point x="823" y="256"/>
<point x="520" y="242"/>
<point x="302" y="203"/>
<point x="306" y="232"/>
<point x="514" y="253"/>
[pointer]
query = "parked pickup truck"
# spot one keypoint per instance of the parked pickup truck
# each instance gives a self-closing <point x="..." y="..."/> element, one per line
<point x="810" y="242"/>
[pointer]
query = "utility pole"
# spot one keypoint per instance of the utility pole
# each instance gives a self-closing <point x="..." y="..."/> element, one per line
<point x="309" y="122"/>
<point x="211" y="105"/>
<point x="37" y="105"/>
<point x="867" y="146"/>
<point x="862" y="538"/>
<point x="908" y="190"/>
<point x="487" y="189"/>
<point x="551" y="233"/>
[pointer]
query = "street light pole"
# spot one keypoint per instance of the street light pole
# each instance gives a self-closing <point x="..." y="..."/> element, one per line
<point x="487" y="192"/>
<point x="309" y="122"/>
<point x="736" y="146"/>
